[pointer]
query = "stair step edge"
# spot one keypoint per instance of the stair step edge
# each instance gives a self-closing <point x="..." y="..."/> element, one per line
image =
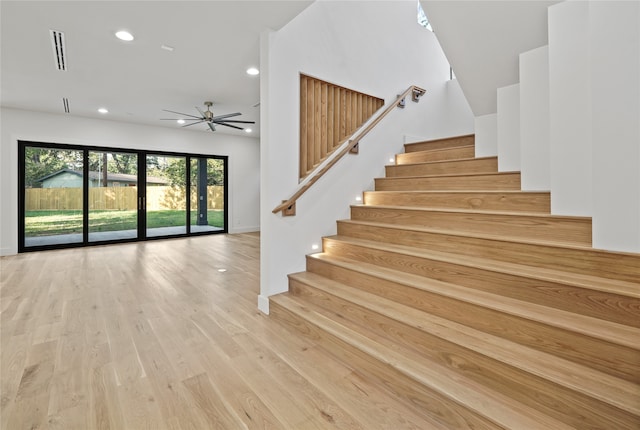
<point x="469" y="394"/>
<point x="516" y="192"/>
<point x="460" y="233"/>
<point x="454" y="160"/>
<point x="442" y="139"/>
<point x="606" y="388"/>
<point x="451" y="175"/>
<point x="474" y="211"/>
<point x="624" y="288"/>
<point x="451" y="148"/>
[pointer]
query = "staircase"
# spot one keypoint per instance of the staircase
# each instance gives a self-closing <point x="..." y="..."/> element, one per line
<point x="464" y="298"/>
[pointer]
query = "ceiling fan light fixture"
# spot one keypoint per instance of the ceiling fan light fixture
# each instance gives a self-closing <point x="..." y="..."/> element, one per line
<point x="252" y="71"/>
<point x="124" y="35"/>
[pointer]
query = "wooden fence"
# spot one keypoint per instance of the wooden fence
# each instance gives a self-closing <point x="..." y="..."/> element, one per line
<point x="118" y="198"/>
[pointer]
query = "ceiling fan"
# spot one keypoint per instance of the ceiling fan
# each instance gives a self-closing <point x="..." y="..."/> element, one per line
<point x="207" y="116"/>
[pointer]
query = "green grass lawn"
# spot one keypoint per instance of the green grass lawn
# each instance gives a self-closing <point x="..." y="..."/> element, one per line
<point x="49" y="223"/>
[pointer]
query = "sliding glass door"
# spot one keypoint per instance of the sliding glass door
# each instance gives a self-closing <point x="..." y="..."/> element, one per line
<point x="166" y="195"/>
<point x="74" y="196"/>
<point x="113" y="195"/>
<point x="52" y="197"/>
<point x="207" y="194"/>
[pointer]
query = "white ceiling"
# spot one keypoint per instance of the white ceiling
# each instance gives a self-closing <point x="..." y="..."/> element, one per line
<point x="483" y="39"/>
<point x="214" y="43"/>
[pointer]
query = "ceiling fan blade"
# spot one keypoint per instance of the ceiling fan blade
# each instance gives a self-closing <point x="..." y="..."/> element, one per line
<point x="183" y="119"/>
<point x="180" y="113"/>
<point x="229" y="125"/>
<point x="201" y="113"/>
<point x="211" y="126"/>
<point x="235" y="121"/>
<point x="228" y="115"/>
<point x="193" y="123"/>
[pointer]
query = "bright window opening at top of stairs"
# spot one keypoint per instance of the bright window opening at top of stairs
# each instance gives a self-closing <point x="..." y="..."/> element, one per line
<point x="422" y="18"/>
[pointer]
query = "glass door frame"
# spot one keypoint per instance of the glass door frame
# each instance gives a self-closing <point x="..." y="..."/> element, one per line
<point x="141" y="195"/>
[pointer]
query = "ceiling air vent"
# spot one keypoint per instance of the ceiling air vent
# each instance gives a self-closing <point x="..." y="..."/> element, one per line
<point x="59" y="49"/>
<point x="65" y="104"/>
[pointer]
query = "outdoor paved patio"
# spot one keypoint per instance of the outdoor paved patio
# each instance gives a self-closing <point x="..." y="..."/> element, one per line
<point x="114" y="235"/>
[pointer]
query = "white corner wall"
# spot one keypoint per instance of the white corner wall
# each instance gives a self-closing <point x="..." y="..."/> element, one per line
<point x="486" y="141"/>
<point x="535" y="150"/>
<point x="509" y="128"/>
<point x="569" y="107"/>
<point x="375" y="47"/>
<point x="243" y="153"/>
<point x="615" y="125"/>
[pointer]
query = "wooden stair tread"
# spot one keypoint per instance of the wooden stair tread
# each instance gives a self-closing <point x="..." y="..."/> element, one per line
<point x="446" y="142"/>
<point x="613" y="286"/>
<point x="605" y="330"/>
<point x="455" y="160"/>
<point x="488" y="403"/>
<point x="500" y="200"/>
<point x="474" y="211"/>
<point x="609" y="389"/>
<point x="441" y="149"/>
<point x="490" y="236"/>
<point x="462" y="192"/>
<point x="452" y="175"/>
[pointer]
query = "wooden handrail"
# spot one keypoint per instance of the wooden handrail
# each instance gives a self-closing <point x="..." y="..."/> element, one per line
<point x="416" y="93"/>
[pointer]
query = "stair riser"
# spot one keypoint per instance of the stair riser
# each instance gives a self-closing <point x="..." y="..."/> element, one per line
<point x="504" y="181"/>
<point x="624" y="267"/>
<point x="480" y="165"/>
<point x="616" y="360"/>
<point x="559" y="402"/>
<point x="451" y="142"/>
<point x="418" y="397"/>
<point x="512" y="201"/>
<point x="609" y="307"/>
<point x="568" y="230"/>
<point x="438" y="155"/>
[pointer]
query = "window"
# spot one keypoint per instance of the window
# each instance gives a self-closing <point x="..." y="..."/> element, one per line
<point x="75" y="196"/>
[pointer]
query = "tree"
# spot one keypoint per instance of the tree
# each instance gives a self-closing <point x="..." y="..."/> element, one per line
<point x="40" y="162"/>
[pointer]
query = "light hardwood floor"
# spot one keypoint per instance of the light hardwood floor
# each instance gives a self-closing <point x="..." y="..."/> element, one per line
<point x="152" y="336"/>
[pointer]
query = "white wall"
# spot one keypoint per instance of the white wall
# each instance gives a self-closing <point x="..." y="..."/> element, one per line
<point x="509" y="128"/>
<point x="615" y="126"/>
<point x="535" y="149"/>
<point x="570" y="113"/>
<point x="375" y="47"/>
<point x="483" y="39"/>
<point x="243" y="152"/>
<point x="486" y="127"/>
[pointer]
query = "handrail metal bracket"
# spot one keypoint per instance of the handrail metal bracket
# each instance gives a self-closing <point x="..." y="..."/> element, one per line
<point x="401" y="103"/>
<point x="417" y="93"/>
<point x="355" y="148"/>
<point x="289" y="210"/>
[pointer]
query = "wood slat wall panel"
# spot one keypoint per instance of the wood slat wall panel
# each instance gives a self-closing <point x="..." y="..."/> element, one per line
<point x="328" y="114"/>
<point x="323" y="121"/>
<point x="304" y="125"/>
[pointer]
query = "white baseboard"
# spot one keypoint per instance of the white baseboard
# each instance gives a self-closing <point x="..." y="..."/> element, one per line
<point x="263" y="304"/>
<point x="244" y="229"/>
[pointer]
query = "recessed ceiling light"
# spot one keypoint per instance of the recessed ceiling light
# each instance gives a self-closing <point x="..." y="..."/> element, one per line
<point x="253" y="71"/>
<point x="103" y="110"/>
<point x="166" y="47"/>
<point x="181" y="121"/>
<point x="248" y="130"/>
<point x="124" y="35"/>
